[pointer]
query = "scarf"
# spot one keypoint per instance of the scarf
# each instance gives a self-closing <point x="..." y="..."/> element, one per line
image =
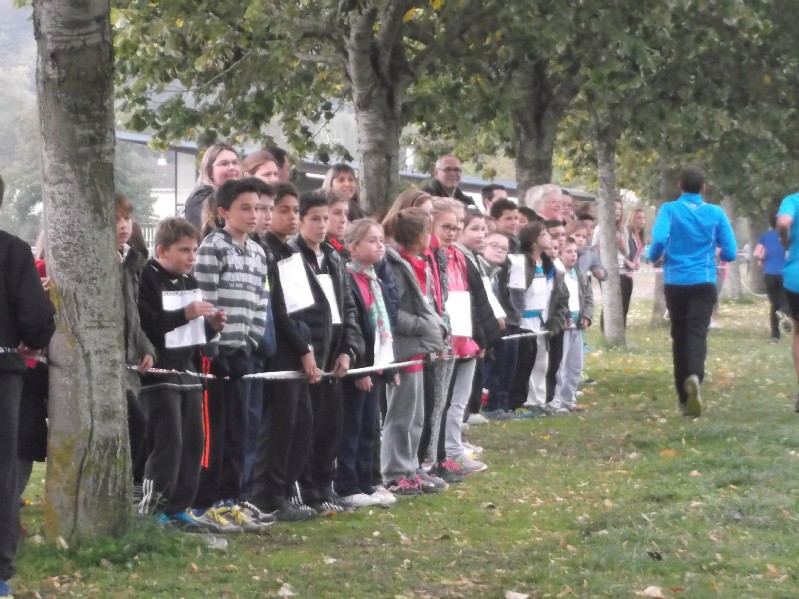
<point x="378" y="315"/>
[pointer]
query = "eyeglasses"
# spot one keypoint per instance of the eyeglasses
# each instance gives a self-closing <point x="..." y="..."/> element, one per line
<point x="451" y="169"/>
<point x="498" y="247"/>
<point x="451" y="229"/>
<point x="226" y="163"/>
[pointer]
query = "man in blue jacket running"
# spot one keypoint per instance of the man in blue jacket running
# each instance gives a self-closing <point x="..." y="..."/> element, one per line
<point x="686" y="234"/>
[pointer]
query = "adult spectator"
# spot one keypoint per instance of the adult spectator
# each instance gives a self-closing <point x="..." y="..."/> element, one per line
<point x="446" y="179"/>
<point x="566" y="206"/>
<point x="220" y="163"/>
<point x="686" y="234"/>
<point x="283" y="162"/>
<point x="545" y="200"/>
<point x="491" y="192"/>
<point x="26" y="325"/>
<point x="770" y="255"/>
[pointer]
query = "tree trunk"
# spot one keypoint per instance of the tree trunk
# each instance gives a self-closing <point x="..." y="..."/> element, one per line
<point x="379" y="79"/>
<point x="757" y="280"/>
<point x="88" y="486"/>
<point x="538" y="107"/>
<point x="733" y="288"/>
<point x="668" y="187"/>
<point x="605" y="140"/>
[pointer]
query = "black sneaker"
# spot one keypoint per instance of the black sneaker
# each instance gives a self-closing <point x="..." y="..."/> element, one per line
<point x="693" y="403"/>
<point x="448" y="471"/>
<point x="291" y="513"/>
<point x="786" y="322"/>
<point x="256" y="514"/>
<point x="329" y="508"/>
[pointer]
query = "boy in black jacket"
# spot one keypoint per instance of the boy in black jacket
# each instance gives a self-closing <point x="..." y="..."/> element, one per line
<point x="337" y="343"/>
<point x="26" y="323"/>
<point x="169" y="302"/>
<point x="287" y="420"/>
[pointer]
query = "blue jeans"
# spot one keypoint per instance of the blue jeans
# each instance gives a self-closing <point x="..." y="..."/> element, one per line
<point x="356" y="455"/>
<point x="501" y="371"/>
<point x="252" y="395"/>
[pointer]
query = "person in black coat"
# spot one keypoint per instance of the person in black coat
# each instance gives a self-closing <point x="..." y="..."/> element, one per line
<point x="337" y="343"/>
<point x="26" y="324"/>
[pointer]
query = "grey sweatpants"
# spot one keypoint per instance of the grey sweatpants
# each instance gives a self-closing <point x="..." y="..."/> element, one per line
<point x="441" y="373"/>
<point x="402" y="427"/>
<point x="571" y="366"/>
<point x="461" y="390"/>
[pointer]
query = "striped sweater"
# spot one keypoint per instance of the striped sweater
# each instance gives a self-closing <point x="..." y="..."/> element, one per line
<point x="233" y="278"/>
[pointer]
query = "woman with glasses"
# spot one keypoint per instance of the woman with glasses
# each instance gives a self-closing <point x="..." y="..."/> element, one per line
<point x="220" y="163"/>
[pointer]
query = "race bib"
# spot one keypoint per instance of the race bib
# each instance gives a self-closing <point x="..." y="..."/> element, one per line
<point x="191" y="333"/>
<point x="294" y="280"/>
<point x="326" y="282"/>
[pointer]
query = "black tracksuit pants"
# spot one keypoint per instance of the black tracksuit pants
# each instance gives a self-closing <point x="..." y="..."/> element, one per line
<point x="10" y="392"/>
<point x="690" y="308"/>
<point x="316" y="480"/>
<point x="223" y="459"/>
<point x="175" y="442"/>
<point x="285" y="439"/>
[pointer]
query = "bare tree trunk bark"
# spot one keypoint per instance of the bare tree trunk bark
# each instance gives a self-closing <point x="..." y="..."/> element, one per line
<point x="668" y="187"/>
<point x="605" y="140"/>
<point x="539" y="106"/>
<point x="379" y="84"/>
<point x="88" y="486"/>
<point x="733" y="288"/>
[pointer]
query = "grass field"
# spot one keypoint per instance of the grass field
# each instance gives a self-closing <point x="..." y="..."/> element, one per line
<point x="608" y="503"/>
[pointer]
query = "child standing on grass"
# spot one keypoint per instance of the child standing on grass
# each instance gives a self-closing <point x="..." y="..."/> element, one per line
<point x="581" y="311"/>
<point x="26" y="324"/>
<point x="364" y="242"/>
<point x="138" y="349"/>
<point x="231" y="274"/>
<point x="419" y="331"/>
<point x="337" y="345"/>
<point x="539" y="292"/>
<point x="286" y="423"/>
<point x="168" y="303"/>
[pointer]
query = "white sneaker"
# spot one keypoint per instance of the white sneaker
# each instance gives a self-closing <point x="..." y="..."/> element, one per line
<point x="472" y="449"/>
<point x="383" y="496"/>
<point x="470" y="465"/>
<point x="475" y="419"/>
<point x="361" y="500"/>
<point x="464" y="426"/>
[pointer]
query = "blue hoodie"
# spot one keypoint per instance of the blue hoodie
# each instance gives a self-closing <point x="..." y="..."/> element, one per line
<point x="687" y="231"/>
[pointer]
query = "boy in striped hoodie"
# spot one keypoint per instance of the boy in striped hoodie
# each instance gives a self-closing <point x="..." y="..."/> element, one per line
<point x="231" y="274"/>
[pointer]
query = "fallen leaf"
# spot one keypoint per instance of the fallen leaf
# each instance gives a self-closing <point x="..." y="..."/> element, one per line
<point x="193" y="567"/>
<point x="329" y="560"/>
<point x="61" y="543"/>
<point x="694" y="473"/>
<point x="285" y="591"/>
<point x="651" y="592"/>
<point x="515" y="595"/>
<point x="668" y="453"/>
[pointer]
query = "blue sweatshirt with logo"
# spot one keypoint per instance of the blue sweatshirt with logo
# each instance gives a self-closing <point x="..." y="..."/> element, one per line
<point x="687" y="232"/>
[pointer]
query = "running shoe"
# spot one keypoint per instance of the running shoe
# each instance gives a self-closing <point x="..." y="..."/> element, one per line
<point x="213" y="521"/>
<point x="403" y="487"/>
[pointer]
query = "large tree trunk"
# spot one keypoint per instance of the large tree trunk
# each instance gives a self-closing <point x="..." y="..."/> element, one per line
<point x="538" y="107"/>
<point x="88" y="487"/>
<point x="605" y="140"/>
<point x="378" y="71"/>
<point x="668" y="187"/>
<point x="733" y="288"/>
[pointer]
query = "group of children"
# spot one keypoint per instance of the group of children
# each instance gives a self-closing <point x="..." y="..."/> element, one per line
<point x="471" y="304"/>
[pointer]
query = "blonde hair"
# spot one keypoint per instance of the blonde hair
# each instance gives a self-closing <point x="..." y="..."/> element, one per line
<point x="630" y="218"/>
<point x="443" y="206"/>
<point x="207" y="166"/>
<point x="358" y="229"/>
<point x="412" y="197"/>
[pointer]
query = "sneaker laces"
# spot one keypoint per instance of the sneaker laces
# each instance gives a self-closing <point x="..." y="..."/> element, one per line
<point x="451" y="466"/>
<point x="216" y="515"/>
<point x="404" y="483"/>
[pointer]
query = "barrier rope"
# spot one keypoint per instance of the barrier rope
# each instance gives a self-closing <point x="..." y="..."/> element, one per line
<point x="281" y="375"/>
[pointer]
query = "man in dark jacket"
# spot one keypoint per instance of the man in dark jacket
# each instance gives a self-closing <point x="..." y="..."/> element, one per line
<point x="446" y="179"/>
<point x="26" y="324"/>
